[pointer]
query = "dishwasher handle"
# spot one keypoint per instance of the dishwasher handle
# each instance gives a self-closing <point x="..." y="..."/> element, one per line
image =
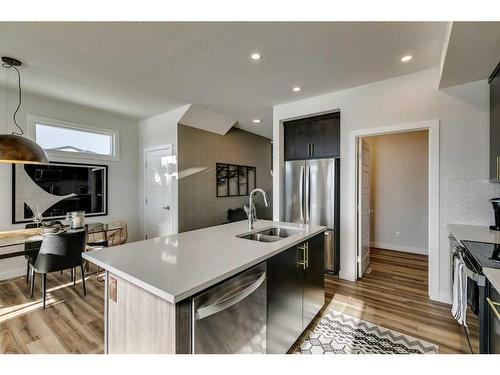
<point x="206" y="311"/>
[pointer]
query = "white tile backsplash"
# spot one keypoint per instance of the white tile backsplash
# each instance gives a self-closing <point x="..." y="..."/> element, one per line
<point x="467" y="201"/>
<point x="457" y="198"/>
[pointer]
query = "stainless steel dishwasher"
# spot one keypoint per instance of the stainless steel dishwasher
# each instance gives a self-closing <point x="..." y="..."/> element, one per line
<point x="231" y="317"/>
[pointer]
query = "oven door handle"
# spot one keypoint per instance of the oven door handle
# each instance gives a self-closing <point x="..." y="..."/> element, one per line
<point x="493" y="306"/>
<point x="479" y="279"/>
<point x="206" y="311"/>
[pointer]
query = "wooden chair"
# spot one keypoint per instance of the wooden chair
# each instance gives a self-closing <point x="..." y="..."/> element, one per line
<point x="119" y="236"/>
<point x="107" y="239"/>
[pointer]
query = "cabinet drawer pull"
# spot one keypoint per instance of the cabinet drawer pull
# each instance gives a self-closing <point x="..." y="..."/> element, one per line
<point x="302" y="255"/>
<point x="307" y="255"/>
<point x="493" y="306"/>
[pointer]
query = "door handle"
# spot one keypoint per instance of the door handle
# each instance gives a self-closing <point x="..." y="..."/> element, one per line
<point x="312" y="149"/>
<point x="308" y="194"/>
<point x="304" y="248"/>
<point x="301" y="194"/>
<point x="166" y="207"/>
<point x="307" y="255"/>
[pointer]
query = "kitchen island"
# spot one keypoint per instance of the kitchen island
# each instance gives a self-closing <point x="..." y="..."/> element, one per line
<point x="152" y="286"/>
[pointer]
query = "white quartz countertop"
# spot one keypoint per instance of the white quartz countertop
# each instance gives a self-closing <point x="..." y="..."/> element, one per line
<point x="176" y="267"/>
<point x="474" y="233"/>
<point x="493" y="275"/>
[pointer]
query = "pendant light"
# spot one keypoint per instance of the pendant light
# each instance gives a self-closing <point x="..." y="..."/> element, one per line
<point x="15" y="148"/>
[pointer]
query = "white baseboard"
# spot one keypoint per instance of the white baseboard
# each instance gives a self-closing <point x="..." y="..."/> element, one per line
<point x="405" y="249"/>
<point x="347" y="276"/>
<point x="4" y="275"/>
<point x="445" y="298"/>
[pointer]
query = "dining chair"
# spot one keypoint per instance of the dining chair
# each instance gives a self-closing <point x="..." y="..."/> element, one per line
<point x="113" y="237"/>
<point x="31" y="250"/>
<point x="119" y="236"/>
<point x="108" y="238"/>
<point x="59" y="252"/>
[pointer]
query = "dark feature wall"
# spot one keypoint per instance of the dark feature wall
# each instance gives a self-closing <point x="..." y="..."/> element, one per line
<point x="198" y="153"/>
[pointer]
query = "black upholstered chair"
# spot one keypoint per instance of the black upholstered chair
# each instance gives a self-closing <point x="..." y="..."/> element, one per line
<point x="59" y="252"/>
<point x="32" y="247"/>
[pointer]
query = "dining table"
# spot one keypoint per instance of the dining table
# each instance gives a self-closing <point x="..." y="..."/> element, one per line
<point x="18" y="237"/>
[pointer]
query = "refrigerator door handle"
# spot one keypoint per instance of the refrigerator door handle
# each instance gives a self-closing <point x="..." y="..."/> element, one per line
<point x="301" y="193"/>
<point x="307" y="202"/>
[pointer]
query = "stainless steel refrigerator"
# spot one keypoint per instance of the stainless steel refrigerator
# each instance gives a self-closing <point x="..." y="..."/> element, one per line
<point x="312" y="197"/>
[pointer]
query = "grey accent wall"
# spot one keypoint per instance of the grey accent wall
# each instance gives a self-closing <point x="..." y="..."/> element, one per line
<point x="198" y="152"/>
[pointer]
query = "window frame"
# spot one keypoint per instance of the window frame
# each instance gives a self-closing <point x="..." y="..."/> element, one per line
<point x="58" y="154"/>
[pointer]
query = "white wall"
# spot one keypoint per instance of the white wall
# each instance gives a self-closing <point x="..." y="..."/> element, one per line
<point x="399" y="191"/>
<point x="158" y="131"/>
<point x="122" y="179"/>
<point x="463" y="112"/>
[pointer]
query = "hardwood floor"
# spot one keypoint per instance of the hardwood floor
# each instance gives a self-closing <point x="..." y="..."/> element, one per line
<point x="70" y="324"/>
<point x="392" y="294"/>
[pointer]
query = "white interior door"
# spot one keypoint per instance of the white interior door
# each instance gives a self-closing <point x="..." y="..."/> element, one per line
<point x="364" y="171"/>
<point x="159" y="172"/>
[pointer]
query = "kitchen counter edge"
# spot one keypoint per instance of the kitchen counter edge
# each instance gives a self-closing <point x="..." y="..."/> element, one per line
<point x="177" y="298"/>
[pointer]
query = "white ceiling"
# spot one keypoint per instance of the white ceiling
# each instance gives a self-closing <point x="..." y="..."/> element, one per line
<point x="473" y="52"/>
<point x="143" y="69"/>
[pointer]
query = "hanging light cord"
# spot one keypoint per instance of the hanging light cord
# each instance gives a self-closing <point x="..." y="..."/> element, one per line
<point x="21" y="132"/>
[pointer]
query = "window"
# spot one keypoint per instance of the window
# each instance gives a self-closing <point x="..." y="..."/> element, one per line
<point x="59" y="138"/>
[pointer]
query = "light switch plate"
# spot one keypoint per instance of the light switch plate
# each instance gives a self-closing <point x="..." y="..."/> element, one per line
<point x="112" y="288"/>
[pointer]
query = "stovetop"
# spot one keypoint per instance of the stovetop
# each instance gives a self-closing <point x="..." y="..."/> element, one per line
<point x="485" y="254"/>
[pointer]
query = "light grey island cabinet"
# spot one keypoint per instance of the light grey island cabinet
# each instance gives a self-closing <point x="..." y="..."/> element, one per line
<point x="215" y="290"/>
<point x="138" y="321"/>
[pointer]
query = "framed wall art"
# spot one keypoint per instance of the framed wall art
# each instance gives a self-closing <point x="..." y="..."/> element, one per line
<point x="56" y="188"/>
<point x="234" y="180"/>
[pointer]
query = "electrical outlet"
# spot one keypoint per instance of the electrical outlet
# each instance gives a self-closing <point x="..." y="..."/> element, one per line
<point x="113" y="289"/>
<point x="397" y="234"/>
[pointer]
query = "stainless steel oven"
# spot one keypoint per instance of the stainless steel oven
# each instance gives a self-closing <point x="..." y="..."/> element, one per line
<point x="231" y="317"/>
<point x="473" y="270"/>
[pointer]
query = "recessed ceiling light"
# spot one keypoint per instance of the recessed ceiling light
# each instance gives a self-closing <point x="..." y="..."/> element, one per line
<point x="255" y="56"/>
<point x="296" y="89"/>
<point x="406" y="58"/>
<point x="256" y="121"/>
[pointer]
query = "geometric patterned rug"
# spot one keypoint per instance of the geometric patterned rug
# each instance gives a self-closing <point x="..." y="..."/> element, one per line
<point x="339" y="333"/>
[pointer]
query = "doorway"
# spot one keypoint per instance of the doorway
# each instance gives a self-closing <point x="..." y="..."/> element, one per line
<point x="352" y="240"/>
<point x="158" y="203"/>
<point x="393" y="197"/>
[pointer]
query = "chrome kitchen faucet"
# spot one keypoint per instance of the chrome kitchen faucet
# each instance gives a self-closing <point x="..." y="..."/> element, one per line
<point x="251" y="213"/>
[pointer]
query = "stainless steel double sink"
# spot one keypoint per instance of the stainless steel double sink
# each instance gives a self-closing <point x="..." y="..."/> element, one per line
<point x="272" y="234"/>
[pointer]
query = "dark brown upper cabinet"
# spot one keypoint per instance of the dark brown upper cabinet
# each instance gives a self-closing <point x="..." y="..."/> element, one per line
<point x="313" y="138"/>
<point x="494" y="81"/>
<point x="296" y="144"/>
